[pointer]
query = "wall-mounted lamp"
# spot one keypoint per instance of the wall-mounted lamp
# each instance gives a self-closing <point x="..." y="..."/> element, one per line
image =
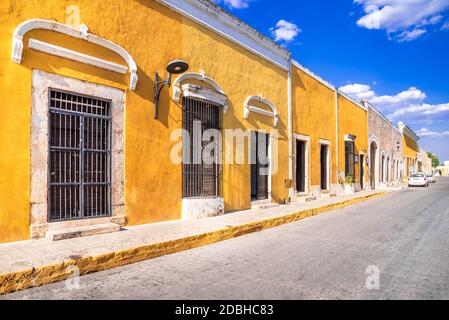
<point x="174" y="67"/>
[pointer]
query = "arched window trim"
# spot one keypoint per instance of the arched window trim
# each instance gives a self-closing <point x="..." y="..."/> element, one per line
<point x="251" y="108"/>
<point x="33" y="24"/>
<point x="216" y="94"/>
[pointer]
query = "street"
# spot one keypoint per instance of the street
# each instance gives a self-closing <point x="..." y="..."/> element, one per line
<point x="405" y="236"/>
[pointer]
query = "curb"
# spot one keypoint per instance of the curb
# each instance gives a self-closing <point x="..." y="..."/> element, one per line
<point x="35" y="277"/>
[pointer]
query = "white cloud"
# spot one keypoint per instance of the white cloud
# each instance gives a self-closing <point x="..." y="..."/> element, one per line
<point x="235" y="4"/>
<point x="420" y="110"/>
<point x="424" y="132"/>
<point x="406" y="36"/>
<point x="445" y="26"/>
<point x="411" y="96"/>
<point x="404" y="20"/>
<point x="285" y="31"/>
<point x="359" y="91"/>
<point x="403" y="99"/>
<point x="407" y="105"/>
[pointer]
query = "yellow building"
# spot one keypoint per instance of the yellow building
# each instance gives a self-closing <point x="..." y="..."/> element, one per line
<point x="79" y="138"/>
<point x="411" y="149"/>
<point x="352" y="143"/>
<point x="314" y="131"/>
<point x="180" y="112"/>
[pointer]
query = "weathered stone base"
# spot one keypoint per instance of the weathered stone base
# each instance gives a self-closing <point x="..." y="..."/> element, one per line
<point x="202" y="208"/>
<point x="82" y="231"/>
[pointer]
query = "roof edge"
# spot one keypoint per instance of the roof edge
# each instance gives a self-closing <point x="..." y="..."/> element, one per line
<point x="211" y="16"/>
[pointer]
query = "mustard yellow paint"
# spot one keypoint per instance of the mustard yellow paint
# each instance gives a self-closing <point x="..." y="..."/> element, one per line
<point x="352" y="120"/>
<point x="153" y="35"/>
<point x="411" y="150"/>
<point x="314" y="115"/>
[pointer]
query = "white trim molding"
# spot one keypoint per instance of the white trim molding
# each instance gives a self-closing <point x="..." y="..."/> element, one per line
<point x="250" y="108"/>
<point x="191" y="90"/>
<point x="308" y="156"/>
<point x="328" y="143"/>
<point x="76" y="56"/>
<point x="33" y="24"/>
<point x="350" y="137"/>
<point x="216" y="95"/>
<point x="209" y="15"/>
<point x="406" y="130"/>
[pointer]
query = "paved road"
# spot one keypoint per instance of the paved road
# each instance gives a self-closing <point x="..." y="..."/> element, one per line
<point x="405" y="236"/>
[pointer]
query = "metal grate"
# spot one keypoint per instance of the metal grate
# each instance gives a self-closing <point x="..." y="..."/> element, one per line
<point x="79" y="157"/>
<point x="200" y="179"/>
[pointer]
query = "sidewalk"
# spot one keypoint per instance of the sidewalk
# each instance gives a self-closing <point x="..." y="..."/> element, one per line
<point x="36" y="262"/>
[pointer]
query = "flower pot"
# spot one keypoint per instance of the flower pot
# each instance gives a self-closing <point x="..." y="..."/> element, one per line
<point x="350" y="188"/>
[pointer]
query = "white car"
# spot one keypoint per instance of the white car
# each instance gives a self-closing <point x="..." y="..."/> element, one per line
<point x="431" y="178"/>
<point x="418" y="179"/>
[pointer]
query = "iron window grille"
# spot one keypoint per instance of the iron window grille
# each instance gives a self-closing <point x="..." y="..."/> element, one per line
<point x="349" y="159"/>
<point x="200" y="179"/>
<point x="79" y="157"/>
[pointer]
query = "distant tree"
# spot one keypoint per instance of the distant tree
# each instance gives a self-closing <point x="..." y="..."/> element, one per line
<point x="435" y="159"/>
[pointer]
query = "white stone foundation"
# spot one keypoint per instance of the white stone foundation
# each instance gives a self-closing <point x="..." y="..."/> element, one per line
<point x="202" y="208"/>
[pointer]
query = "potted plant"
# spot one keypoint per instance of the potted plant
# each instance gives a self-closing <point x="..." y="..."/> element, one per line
<point x="349" y="185"/>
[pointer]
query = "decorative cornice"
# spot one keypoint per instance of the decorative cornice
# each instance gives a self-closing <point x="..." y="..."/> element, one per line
<point x="212" y="17"/>
<point x="406" y="130"/>
<point x="350" y="137"/>
<point x="200" y="76"/>
<point x="194" y="91"/>
<point x="76" y="56"/>
<point x="179" y="89"/>
<point x="23" y="28"/>
<point x="248" y="107"/>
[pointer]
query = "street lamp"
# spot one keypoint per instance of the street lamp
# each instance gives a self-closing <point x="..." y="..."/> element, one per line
<point x="173" y="67"/>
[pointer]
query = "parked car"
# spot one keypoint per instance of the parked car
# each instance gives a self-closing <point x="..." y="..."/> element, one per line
<point x="418" y="179"/>
<point x="431" y="178"/>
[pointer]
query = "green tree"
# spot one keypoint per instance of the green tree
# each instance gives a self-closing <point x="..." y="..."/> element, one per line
<point x="435" y="159"/>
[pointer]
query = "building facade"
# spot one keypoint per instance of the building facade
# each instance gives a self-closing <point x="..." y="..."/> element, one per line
<point x="352" y="128"/>
<point x="385" y="150"/>
<point x="443" y="170"/>
<point x="314" y="133"/>
<point x="411" y="150"/>
<point x="89" y="148"/>
<point x="111" y="121"/>
<point x="424" y="162"/>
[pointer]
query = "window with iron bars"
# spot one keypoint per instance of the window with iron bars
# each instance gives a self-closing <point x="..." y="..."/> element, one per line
<point x="200" y="179"/>
<point x="79" y="157"/>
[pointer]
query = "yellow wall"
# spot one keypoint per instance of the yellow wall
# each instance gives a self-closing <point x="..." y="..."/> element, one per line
<point x="352" y="120"/>
<point x="153" y="35"/>
<point x="314" y="116"/>
<point x="411" y="150"/>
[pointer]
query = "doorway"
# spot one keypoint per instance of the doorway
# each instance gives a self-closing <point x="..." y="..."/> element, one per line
<point x="324" y="166"/>
<point x="301" y="149"/>
<point x="362" y="171"/>
<point x="260" y="166"/>
<point x="373" y="164"/>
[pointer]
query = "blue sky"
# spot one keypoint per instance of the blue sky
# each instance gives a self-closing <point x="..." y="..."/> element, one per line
<point x="395" y="53"/>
